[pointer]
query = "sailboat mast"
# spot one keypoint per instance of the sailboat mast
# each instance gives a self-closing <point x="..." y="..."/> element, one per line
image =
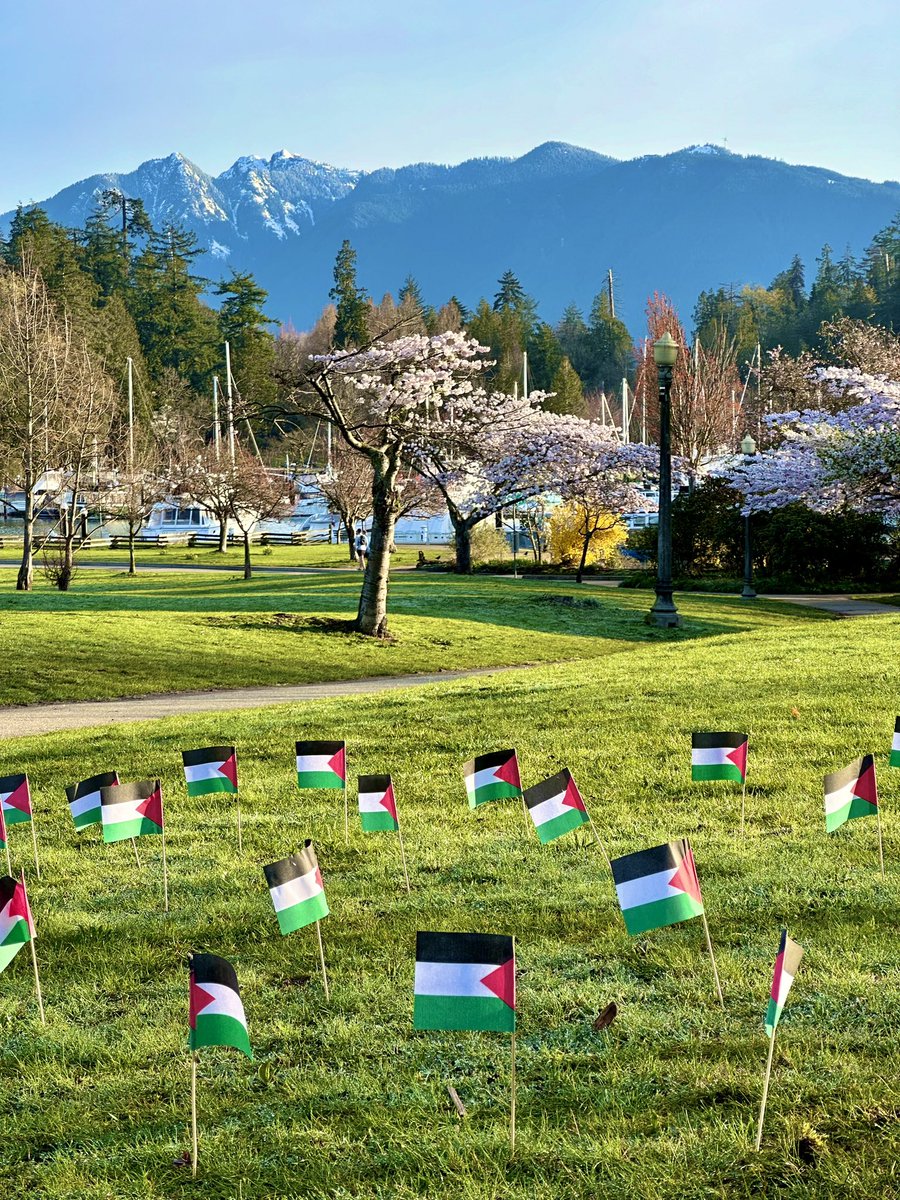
<point x="217" y="431"/>
<point x="229" y="404"/>
<point x="130" y="414"/>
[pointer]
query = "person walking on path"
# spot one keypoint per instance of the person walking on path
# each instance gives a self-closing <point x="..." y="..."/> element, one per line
<point x="362" y="548"/>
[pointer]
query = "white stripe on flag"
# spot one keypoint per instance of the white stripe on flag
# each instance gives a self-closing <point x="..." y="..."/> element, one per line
<point x="647" y="889"/>
<point x="839" y="799"/>
<point x="85" y="803"/>
<point x="7" y="922"/>
<point x="452" y="979"/>
<point x="784" y="986"/>
<point x="315" y="762"/>
<point x="118" y="814"/>
<point x="226" y="1002"/>
<point x="371" y="801"/>
<point x="295" y="891"/>
<point x="207" y="770"/>
<point x="895" y="744"/>
<point x="714" y="756"/>
<point x="484" y="777"/>
<point x="547" y="810"/>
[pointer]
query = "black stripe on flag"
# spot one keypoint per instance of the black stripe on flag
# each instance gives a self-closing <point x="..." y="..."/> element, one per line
<point x="76" y="790"/>
<point x="490" y="948"/>
<point x="709" y="741"/>
<point x="216" y="754"/>
<point x="8" y="887"/>
<point x="482" y="762"/>
<point x="548" y="788"/>
<point x="896" y="729"/>
<point x="374" y="783"/>
<point x="292" y="867"/>
<point x="840" y="779"/>
<point x="648" y="862"/>
<point x="123" y="792"/>
<point x="9" y="783"/>
<point x="329" y="748"/>
<point x="209" y="968"/>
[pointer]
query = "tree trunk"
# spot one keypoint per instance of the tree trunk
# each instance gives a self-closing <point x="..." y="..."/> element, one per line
<point x="132" y="565"/>
<point x="351" y="537"/>
<point x="579" y="575"/>
<point x="462" y="532"/>
<point x="67" y="566"/>
<point x="248" y="566"/>
<point x="372" y="615"/>
<point x="223" y="532"/>
<point x="25" y="577"/>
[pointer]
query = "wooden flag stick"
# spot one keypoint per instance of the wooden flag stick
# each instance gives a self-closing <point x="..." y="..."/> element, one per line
<point x="598" y="840"/>
<point x="712" y="959"/>
<point x="8" y="859"/>
<point x="403" y="855"/>
<point x="743" y="804"/>
<point x="37" y="978"/>
<point x="239" y="830"/>
<point x="880" y="841"/>
<point x="195" y="1149"/>
<point x="165" y="874"/>
<point x="136" y="856"/>
<point x="322" y="960"/>
<point x="346" y="815"/>
<point x="37" y="865"/>
<point x="528" y="821"/>
<point x="765" y="1094"/>
<point x="512" y="1094"/>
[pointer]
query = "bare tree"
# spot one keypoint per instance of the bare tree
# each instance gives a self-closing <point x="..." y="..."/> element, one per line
<point x="348" y="487"/>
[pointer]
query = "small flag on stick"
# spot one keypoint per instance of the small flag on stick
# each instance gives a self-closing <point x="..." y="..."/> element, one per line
<point x="84" y="799"/>
<point x="492" y="777"/>
<point x="130" y="810"/>
<point x="556" y="807"/>
<point x="378" y="810"/>
<point x="213" y="769"/>
<point x="786" y="964"/>
<point x="721" y="756"/>
<point x="660" y="887"/>
<point x="17" y="929"/>
<point x="15" y="808"/>
<point x="298" y="896"/>
<point x="324" y="765"/>
<point x="853" y="793"/>
<point x="4" y="842"/>
<point x="468" y="981"/>
<point x="894" y="760"/>
<point x="215" y="1018"/>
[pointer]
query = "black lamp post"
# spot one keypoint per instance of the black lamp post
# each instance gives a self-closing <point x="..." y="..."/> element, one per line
<point x="748" y="447"/>
<point x="664" y="613"/>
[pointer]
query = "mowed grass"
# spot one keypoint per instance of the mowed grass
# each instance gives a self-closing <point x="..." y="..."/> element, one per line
<point x="345" y="1099"/>
<point x="114" y="635"/>
<point x="316" y="555"/>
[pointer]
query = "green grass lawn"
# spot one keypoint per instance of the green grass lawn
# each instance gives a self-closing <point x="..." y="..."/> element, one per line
<point x="115" y="635"/>
<point x="345" y="1099"/>
<point x="316" y="555"/>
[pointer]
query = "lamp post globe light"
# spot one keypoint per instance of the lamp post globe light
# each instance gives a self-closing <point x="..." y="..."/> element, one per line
<point x="664" y="613"/>
<point x="748" y="449"/>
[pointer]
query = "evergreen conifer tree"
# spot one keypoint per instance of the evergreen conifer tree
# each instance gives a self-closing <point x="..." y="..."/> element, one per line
<point x="350" y="300"/>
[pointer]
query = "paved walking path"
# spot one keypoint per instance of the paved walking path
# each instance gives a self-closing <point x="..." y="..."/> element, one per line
<point x="28" y="720"/>
<point x="841" y="606"/>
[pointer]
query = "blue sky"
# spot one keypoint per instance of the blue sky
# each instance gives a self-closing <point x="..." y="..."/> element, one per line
<point x="93" y="85"/>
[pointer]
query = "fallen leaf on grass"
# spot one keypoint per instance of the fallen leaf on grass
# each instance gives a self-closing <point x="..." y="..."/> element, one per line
<point x="607" y="1017"/>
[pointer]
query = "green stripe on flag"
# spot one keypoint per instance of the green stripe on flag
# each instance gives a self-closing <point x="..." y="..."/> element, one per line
<point x="855" y="808"/>
<point x="564" y="823"/>
<point x="203" y="787"/>
<point x="372" y="822"/>
<point x="129" y="829"/>
<point x="716" y="771"/>
<point x="15" y="816"/>
<point x="319" y="779"/>
<point x="893" y="761"/>
<point x="220" y="1030"/>
<point x="658" y="913"/>
<point x="773" y="1016"/>
<point x="302" y="914"/>
<point x="92" y="816"/>
<point x="494" y="791"/>
<point x="463" y="1012"/>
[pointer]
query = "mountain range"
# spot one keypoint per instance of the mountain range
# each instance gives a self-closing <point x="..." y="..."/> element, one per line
<point x="559" y="217"/>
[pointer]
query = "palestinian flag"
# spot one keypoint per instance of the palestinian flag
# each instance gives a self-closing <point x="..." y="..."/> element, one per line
<point x="492" y="777"/>
<point x="3" y="841"/>
<point x="377" y="806"/>
<point x="211" y="770"/>
<point x="657" y="887"/>
<point x="321" y="765"/>
<point x="719" y="756"/>
<point x="16" y="924"/>
<point x="465" y="981"/>
<point x="851" y="793"/>
<point x="15" y="799"/>
<point x="216" y="1012"/>
<point x="556" y="806"/>
<point x="786" y="964"/>
<point x="894" y="760"/>
<point x="131" y="809"/>
<point x="84" y="798"/>
<point x="297" y="891"/>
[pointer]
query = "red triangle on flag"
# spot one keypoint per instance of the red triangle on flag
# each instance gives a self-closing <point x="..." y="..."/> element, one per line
<point x="337" y="764"/>
<point x="572" y="798"/>
<point x="2" y="826"/>
<point x="685" y="878"/>
<point x="229" y="770"/>
<point x="151" y="808"/>
<point x="739" y="757"/>
<point x="865" y="788"/>
<point x="388" y="802"/>
<point x="508" y="772"/>
<point x="20" y="798"/>
<point x="319" y="877"/>
<point x="199" y="999"/>
<point x="19" y="907"/>
<point x="502" y="982"/>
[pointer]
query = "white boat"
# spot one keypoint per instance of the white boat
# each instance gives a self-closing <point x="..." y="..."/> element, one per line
<point x="176" y="519"/>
